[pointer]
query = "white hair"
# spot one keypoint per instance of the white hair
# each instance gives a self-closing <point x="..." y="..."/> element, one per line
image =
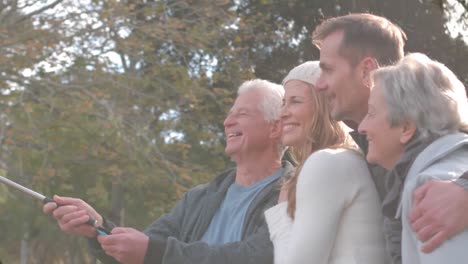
<point x="426" y="92"/>
<point x="272" y="97"/>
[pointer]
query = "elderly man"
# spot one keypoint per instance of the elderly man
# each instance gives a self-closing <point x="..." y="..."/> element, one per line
<point x="219" y="222"/>
<point x="351" y="47"/>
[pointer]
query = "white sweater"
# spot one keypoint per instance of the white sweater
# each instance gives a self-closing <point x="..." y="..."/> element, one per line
<point x="338" y="217"/>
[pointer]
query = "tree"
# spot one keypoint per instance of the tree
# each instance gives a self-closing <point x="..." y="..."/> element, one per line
<point x="103" y="130"/>
<point x="122" y="102"/>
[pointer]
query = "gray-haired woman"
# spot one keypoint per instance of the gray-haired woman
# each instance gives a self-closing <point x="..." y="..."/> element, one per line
<point x="416" y="127"/>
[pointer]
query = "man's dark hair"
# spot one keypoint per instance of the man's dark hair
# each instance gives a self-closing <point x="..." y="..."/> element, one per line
<point x="364" y="35"/>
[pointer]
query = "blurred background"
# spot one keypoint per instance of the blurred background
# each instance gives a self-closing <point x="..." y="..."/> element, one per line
<point x="121" y="103"/>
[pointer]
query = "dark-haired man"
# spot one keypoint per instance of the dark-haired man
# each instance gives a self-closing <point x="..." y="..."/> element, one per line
<point x="351" y="47"/>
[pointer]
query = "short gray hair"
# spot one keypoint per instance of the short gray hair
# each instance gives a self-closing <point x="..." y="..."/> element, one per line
<point x="426" y="92"/>
<point x="272" y="94"/>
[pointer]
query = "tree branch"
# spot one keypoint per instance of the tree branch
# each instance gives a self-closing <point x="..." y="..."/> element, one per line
<point x="38" y="11"/>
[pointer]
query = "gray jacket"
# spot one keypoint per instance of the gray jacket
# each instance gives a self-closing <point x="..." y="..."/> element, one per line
<point x="175" y="237"/>
<point x="444" y="159"/>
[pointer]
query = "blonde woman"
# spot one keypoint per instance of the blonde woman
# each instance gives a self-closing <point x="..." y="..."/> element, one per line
<point x="328" y="211"/>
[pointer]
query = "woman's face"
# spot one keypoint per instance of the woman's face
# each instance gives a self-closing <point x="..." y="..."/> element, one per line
<point x="386" y="143"/>
<point x="296" y="113"/>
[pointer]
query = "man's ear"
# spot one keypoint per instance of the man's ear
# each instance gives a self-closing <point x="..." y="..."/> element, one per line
<point x="408" y="130"/>
<point x="367" y="65"/>
<point x="276" y="129"/>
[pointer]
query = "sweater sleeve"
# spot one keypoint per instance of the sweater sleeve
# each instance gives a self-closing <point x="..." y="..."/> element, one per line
<point x="326" y="186"/>
<point x="444" y="168"/>
<point x="452" y="250"/>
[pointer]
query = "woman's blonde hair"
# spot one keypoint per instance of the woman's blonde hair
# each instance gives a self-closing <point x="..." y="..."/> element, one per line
<point x="323" y="131"/>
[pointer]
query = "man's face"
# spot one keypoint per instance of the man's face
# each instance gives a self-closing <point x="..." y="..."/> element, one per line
<point x="247" y="132"/>
<point x="342" y="82"/>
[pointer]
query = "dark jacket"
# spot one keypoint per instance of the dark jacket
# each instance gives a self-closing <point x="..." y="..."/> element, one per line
<point x="175" y="237"/>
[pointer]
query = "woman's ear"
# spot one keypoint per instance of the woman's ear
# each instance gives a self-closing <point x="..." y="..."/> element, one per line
<point x="408" y="130"/>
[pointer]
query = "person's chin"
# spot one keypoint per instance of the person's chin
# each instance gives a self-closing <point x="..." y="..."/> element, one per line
<point x="336" y="114"/>
<point x="229" y="150"/>
<point x="374" y="160"/>
<point x="370" y="158"/>
<point x="289" y="140"/>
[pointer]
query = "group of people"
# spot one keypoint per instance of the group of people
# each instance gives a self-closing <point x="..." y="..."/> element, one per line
<point x="380" y="146"/>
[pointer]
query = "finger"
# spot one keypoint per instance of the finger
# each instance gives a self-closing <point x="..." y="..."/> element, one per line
<point x="74" y="215"/>
<point x="68" y="200"/>
<point x="62" y="201"/>
<point x="63" y="210"/>
<point x="102" y="240"/>
<point x="418" y="223"/>
<point x="428" y="218"/>
<point x="121" y="230"/>
<point x="434" y="242"/>
<point x="416" y="213"/>
<point x="48" y="208"/>
<point x="73" y="223"/>
<point x="425" y="233"/>
<point x="423" y="212"/>
<point x="420" y="192"/>
<point x="111" y="250"/>
<point x="108" y="240"/>
<point x="78" y="226"/>
<point x="418" y="196"/>
<point x="117" y="230"/>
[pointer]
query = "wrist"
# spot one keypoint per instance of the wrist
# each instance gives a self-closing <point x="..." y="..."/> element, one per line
<point x="462" y="182"/>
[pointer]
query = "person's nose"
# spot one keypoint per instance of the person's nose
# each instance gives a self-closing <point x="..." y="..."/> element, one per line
<point x="321" y="84"/>
<point x="285" y="112"/>
<point x="362" y="128"/>
<point x="229" y="121"/>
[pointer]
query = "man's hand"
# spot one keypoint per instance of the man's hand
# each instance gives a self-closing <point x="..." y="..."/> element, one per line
<point x="126" y="245"/>
<point x="440" y="210"/>
<point x="72" y="215"/>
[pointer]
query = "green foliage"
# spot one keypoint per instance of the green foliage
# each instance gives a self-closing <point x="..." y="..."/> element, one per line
<point x="122" y="102"/>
